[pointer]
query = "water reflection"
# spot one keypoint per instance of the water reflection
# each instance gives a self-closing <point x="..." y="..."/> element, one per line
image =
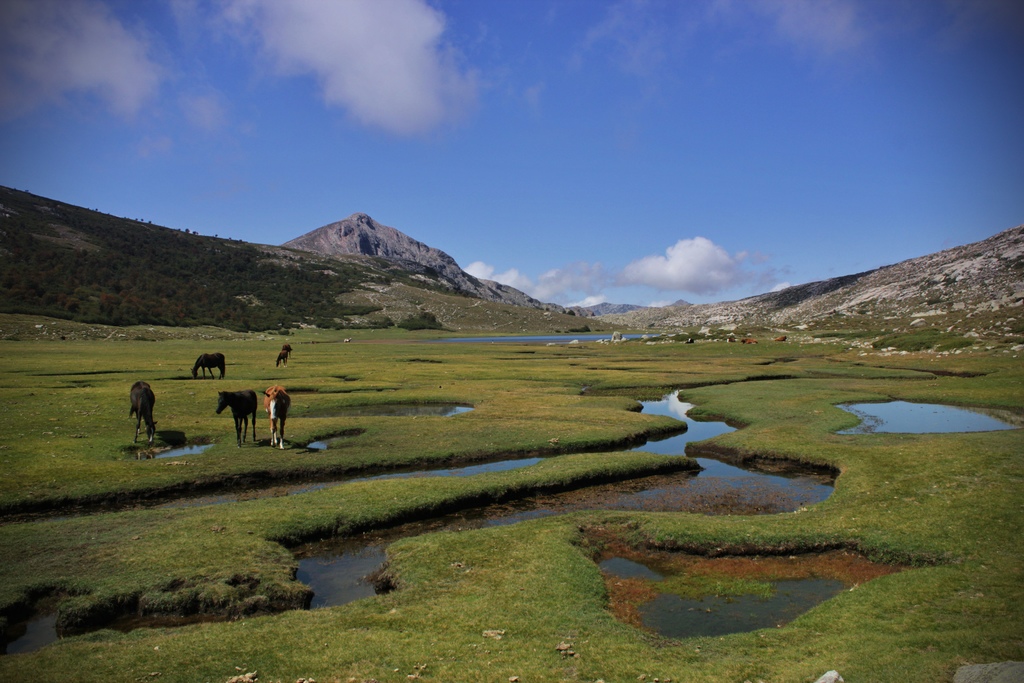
<point x="184" y="450"/>
<point x="30" y="635"/>
<point x="397" y="410"/>
<point x="924" y="418"/>
<point x="715" y="615"/>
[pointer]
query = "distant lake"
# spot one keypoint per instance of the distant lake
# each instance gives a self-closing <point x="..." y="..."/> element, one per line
<point x="536" y="339"/>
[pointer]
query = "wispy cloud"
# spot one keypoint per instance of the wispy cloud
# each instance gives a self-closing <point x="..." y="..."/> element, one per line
<point x="828" y="27"/>
<point x="635" y="37"/>
<point x="385" y="63"/>
<point x="51" y="49"/>
<point x="205" y="111"/>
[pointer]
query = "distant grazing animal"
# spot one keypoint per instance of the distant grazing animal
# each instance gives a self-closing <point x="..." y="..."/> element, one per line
<point x="782" y="338"/>
<point x="287" y="348"/>
<point x="282" y="357"/>
<point x="211" y="361"/>
<point x="243" y="404"/>
<point x="142" y="408"/>
<point x="689" y="340"/>
<point x="748" y="340"/>
<point x="348" y="339"/>
<point x="277" y="401"/>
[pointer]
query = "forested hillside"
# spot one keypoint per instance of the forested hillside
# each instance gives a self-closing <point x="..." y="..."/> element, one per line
<point x="67" y="262"/>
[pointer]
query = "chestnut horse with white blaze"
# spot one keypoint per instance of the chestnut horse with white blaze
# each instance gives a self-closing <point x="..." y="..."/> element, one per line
<point x="277" y="401"/>
<point x="143" y="400"/>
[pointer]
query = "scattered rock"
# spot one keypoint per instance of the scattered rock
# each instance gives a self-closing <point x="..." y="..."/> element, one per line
<point x="494" y="633"/>
<point x="250" y="677"/>
<point x="1001" y="672"/>
<point x="830" y="677"/>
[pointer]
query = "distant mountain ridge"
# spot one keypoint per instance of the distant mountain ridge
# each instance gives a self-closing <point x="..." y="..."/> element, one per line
<point x="360" y="234"/>
<point x="64" y="261"/>
<point x="982" y="276"/>
<point x="71" y="263"/>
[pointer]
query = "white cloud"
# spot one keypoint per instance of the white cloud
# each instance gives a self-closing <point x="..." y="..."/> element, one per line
<point x="557" y="284"/>
<point x="383" y="62"/>
<point x="50" y="49"/>
<point x="781" y="286"/>
<point x="511" y="277"/>
<point x="481" y="270"/>
<point x="590" y="301"/>
<point x="695" y="265"/>
<point x="581" y="277"/>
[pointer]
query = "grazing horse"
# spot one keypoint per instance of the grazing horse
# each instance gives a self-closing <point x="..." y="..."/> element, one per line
<point x="282" y="357"/>
<point x="287" y="350"/>
<point x="277" y="401"/>
<point x="782" y="338"/>
<point x="243" y="404"/>
<point x="748" y="340"/>
<point x="142" y="408"/>
<point x="211" y="361"/>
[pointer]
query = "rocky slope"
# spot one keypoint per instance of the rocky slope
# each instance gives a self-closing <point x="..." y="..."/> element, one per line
<point x="981" y="277"/>
<point x="360" y="234"/>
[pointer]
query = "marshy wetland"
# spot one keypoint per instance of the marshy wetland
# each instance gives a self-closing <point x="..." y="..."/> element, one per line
<point x="512" y="539"/>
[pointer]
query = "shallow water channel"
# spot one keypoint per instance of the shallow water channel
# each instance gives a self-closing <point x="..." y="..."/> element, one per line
<point x="341" y="570"/>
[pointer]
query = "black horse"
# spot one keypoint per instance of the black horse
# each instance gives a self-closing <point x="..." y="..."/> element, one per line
<point x="142" y="408"/>
<point x="211" y="361"/>
<point x="243" y="404"/>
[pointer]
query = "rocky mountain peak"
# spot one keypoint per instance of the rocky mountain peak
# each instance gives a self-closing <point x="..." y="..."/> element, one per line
<point x="360" y="234"/>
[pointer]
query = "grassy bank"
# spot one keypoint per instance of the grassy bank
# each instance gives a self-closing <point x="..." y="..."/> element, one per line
<point x="946" y="508"/>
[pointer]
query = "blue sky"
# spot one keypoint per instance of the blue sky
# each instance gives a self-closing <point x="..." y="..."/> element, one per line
<point x="583" y="151"/>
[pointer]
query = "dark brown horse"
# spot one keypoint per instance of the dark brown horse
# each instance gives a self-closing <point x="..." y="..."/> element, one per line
<point x="243" y="404"/>
<point x="143" y="401"/>
<point x="282" y="357"/>
<point x="208" y="361"/>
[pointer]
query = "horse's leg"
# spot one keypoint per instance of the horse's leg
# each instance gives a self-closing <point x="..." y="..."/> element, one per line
<point x="138" y="425"/>
<point x="280" y="436"/>
<point x="238" y="431"/>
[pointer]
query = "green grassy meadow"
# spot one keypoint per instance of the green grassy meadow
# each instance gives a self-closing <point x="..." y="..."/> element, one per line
<point x="947" y="509"/>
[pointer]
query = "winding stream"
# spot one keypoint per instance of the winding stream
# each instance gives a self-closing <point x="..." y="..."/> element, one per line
<point x="341" y="570"/>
